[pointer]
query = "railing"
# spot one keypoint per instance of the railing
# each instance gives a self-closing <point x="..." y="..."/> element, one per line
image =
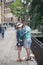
<point x="39" y="43"/>
<point x="37" y="49"/>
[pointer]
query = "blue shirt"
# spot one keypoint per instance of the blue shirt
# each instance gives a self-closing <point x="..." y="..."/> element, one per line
<point x="19" y="35"/>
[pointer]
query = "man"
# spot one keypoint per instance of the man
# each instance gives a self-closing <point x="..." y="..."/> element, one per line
<point x="3" y="31"/>
<point x="27" y="39"/>
<point x="0" y="28"/>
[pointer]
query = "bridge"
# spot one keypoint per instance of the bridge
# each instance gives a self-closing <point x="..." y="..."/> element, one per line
<point x="8" y="53"/>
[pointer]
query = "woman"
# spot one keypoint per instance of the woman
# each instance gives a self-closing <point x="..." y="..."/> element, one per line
<point x="19" y="40"/>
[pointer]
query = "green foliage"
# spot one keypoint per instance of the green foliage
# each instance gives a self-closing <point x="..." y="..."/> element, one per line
<point x="18" y="3"/>
<point x="36" y="12"/>
<point x="42" y="20"/>
<point x="17" y="8"/>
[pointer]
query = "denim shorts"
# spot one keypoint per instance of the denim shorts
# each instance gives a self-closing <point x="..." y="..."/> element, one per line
<point x="27" y="43"/>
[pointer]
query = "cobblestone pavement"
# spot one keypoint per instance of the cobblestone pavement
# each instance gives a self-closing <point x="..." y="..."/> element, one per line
<point x="8" y="53"/>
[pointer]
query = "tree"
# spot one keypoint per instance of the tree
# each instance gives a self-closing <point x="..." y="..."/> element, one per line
<point x="36" y="13"/>
<point x="17" y="8"/>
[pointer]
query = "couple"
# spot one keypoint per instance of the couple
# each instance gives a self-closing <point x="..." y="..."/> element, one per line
<point x="24" y="39"/>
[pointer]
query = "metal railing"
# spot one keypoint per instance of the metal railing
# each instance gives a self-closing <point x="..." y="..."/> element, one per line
<point x="37" y="49"/>
<point x="37" y="42"/>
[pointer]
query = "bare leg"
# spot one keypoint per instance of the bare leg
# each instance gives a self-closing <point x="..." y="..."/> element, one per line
<point x="19" y="52"/>
<point x="28" y="52"/>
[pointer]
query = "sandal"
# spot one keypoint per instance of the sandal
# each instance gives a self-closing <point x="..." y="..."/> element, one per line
<point x="26" y="59"/>
<point x="19" y="60"/>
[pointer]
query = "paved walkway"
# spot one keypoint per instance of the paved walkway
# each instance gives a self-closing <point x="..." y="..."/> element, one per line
<point x="8" y="53"/>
